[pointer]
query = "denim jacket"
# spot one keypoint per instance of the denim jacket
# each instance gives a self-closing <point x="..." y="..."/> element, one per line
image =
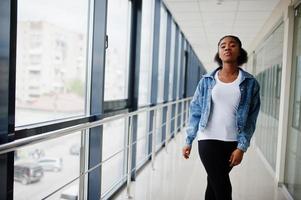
<point x="247" y="112"/>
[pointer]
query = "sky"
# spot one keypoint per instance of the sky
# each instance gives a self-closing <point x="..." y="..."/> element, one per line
<point x="70" y="14"/>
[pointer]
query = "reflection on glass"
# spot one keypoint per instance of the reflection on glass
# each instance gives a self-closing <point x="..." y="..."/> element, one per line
<point x="117" y="53"/>
<point x="146" y="51"/>
<point x="51" y="60"/>
<point x="42" y="168"/>
<point x="113" y="141"/>
<point x="268" y="67"/>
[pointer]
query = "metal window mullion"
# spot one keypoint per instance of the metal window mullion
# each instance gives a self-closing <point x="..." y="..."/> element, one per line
<point x="134" y="68"/>
<point x="8" y="36"/>
<point x="97" y="98"/>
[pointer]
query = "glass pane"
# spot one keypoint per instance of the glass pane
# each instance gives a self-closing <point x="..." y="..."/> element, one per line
<point x="268" y="59"/>
<point x="142" y="138"/>
<point x="51" y="60"/>
<point x="293" y="151"/>
<point x="113" y="142"/>
<point x="67" y="193"/>
<point x="297" y="95"/>
<point x="162" y="54"/>
<point x="146" y="52"/>
<point x="42" y="168"/>
<point x="117" y="53"/>
<point x="172" y="60"/>
<point x="179" y="67"/>
<point x="159" y="128"/>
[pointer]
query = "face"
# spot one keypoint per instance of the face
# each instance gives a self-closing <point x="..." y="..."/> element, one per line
<point x="228" y="50"/>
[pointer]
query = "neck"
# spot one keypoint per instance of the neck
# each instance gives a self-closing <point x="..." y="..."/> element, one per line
<point x="229" y="68"/>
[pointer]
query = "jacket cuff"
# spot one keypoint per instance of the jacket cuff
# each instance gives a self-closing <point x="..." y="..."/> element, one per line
<point x="242" y="147"/>
<point x="188" y="142"/>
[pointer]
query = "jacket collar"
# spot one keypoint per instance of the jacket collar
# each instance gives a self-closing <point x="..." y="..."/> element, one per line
<point x="244" y="74"/>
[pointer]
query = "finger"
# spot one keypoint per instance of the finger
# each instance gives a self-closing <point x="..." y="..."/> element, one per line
<point x="233" y="162"/>
<point x="184" y="151"/>
<point x="231" y="158"/>
<point x="187" y="154"/>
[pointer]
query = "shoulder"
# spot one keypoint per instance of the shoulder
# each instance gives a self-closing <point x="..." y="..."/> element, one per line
<point x="246" y="74"/>
<point x="211" y="73"/>
<point x="251" y="80"/>
<point x="249" y="76"/>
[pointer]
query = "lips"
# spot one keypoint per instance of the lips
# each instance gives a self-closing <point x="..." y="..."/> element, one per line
<point x="227" y="54"/>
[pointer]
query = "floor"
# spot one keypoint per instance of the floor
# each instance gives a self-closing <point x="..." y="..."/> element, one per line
<point x="175" y="178"/>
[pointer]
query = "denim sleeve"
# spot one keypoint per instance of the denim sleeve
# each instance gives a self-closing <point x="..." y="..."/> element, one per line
<point x="245" y="136"/>
<point x="194" y="115"/>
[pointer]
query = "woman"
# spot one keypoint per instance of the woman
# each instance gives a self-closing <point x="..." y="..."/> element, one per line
<point x="223" y="114"/>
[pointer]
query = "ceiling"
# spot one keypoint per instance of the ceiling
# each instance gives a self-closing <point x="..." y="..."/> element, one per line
<point x="204" y="22"/>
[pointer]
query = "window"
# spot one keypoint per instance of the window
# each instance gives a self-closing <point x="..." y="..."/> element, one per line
<point x="268" y="62"/>
<point x="147" y="26"/>
<point x="42" y="168"/>
<point x="172" y="60"/>
<point x="142" y="139"/>
<point x="297" y="96"/>
<point x="35" y="59"/>
<point x="279" y="72"/>
<point x="179" y="67"/>
<point x="162" y="54"/>
<point x="48" y="46"/>
<point x="113" y="170"/>
<point x="292" y="176"/>
<point x="117" y="53"/>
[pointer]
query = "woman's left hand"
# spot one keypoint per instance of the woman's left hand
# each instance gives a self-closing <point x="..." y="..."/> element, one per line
<point x="236" y="157"/>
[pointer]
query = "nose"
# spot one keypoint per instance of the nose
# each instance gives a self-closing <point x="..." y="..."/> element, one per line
<point x="227" y="47"/>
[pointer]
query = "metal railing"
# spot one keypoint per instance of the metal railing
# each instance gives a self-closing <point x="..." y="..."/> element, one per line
<point x="179" y="111"/>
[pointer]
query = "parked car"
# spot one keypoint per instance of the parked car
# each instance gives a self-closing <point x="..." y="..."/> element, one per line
<point x="37" y="153"/>
<point x="28" y="173"/>
<point x="51" y="164"/>
<point x="70" y="193"/>
<point x="75" y="149"/>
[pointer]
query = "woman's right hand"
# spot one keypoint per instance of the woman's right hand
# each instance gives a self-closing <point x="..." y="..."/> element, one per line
<point x="186" y="151"/>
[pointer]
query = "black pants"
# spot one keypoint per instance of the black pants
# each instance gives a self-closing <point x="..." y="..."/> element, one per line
<point x="215" y="157"/>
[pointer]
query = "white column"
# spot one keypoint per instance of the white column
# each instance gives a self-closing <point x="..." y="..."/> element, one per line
<point x="285" y="93"/>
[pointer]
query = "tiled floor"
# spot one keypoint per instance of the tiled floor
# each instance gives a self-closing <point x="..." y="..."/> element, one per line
<point x="175" y="178"/>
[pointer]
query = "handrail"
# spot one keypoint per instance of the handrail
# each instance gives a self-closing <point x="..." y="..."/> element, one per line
<point x="12" y="146"/>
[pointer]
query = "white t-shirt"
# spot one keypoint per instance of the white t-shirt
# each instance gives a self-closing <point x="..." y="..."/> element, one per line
<point x="222" y="120"/>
